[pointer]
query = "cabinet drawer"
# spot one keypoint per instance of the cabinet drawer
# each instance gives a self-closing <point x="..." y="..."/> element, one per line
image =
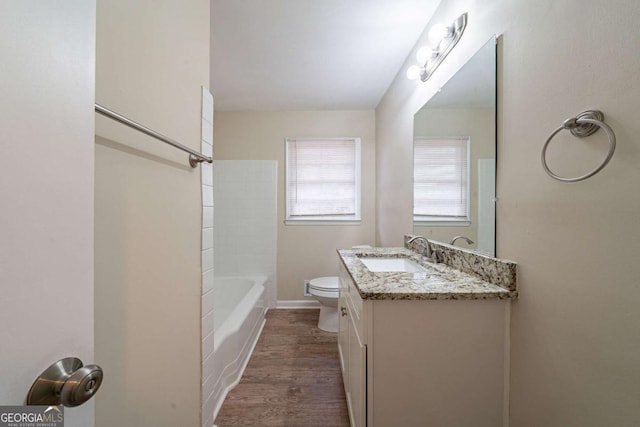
<point x="356" y="311"/>
<point x="349" y="294"/>
<point x="345" y="279"/>
<point x="354" y="295"/>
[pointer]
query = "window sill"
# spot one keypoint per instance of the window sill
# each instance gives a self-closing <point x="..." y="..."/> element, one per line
<point x="442" y="223"/>
<point x="322" y="221"/>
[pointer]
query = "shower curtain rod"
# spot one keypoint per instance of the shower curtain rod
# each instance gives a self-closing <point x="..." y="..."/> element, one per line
<point x="194" y="156"/>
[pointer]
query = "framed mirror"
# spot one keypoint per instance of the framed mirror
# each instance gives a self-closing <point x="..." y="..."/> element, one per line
<point x="454" y="158"/>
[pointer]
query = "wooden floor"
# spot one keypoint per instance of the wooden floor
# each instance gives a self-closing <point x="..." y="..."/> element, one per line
<point x="293" y="378"/>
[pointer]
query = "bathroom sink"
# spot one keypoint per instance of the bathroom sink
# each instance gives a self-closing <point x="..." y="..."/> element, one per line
<point x="379" y="264"/>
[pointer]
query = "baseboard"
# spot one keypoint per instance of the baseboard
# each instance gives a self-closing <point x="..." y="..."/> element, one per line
<point x="302" y="303"/>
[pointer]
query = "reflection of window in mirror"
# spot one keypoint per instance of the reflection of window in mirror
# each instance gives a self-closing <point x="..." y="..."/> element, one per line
<point x="441" y="180"/>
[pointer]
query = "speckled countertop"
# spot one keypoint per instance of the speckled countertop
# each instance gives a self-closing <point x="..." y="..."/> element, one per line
<point x="438" y="282"/>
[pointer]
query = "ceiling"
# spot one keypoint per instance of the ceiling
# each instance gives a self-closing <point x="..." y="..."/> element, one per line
<point x="310" y="54"/>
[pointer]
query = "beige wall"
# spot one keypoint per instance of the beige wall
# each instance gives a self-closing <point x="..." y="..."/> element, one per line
<point x="152" y="59"/>
<point x="304" y="251"/>
<point x="574" y="347"/>
<point x="479" y="125"/>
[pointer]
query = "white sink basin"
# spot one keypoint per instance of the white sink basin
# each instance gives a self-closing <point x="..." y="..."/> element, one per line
<point x="379" y="264"/>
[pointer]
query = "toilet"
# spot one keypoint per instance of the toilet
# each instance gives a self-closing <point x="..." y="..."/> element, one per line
<point x="325" y="290"/>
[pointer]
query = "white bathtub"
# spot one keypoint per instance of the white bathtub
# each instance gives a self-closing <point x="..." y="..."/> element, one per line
<point x="238" y="313"/>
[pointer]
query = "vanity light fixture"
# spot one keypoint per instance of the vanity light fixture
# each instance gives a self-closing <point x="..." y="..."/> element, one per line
<point x="441" y="40"/>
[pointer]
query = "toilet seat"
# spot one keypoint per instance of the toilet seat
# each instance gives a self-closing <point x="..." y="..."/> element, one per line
<point x="326" y="287"/>
<point x="325" y="284"/>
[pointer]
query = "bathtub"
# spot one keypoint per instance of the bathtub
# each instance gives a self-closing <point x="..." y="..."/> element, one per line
<point x="238" y="318"/>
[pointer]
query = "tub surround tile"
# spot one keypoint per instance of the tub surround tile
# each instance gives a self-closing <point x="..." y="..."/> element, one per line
<point x="206" y="171"/>
<point x="208" y="366"/>
<point x="207" y="349"/>
<point x="207" y="238"/>
<point x="207" y="149"/>
<point x="207" y="175"/>
<point x="207" y="195"/>
<point x="207" y="281"/>
<point x="207" y="259"/>
<point x="207" y="303"/>
<point x="207" y="217"/>
<point x="439" y="281"/>
<point x="493" y="270"/>
<point x="245" y="219"/>
<point x="207" y="105"/>
<point x="207" y="324"/>
<point x="207" y="131"/>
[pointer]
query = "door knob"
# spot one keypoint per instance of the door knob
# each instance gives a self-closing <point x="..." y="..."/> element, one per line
<point x="67" y="382"/>
<point x="343" y="311"/>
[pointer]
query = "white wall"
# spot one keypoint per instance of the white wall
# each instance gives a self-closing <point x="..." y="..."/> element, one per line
<point x="152" y="59"/>
<point x="304" y="251"/>
<point x="574" y="351"/>
<point x="46" y="192"/>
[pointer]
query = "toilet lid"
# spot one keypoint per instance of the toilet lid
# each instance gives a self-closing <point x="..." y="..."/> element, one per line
<point x="330" y="283"/>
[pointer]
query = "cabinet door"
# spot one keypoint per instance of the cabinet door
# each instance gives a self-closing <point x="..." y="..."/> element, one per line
<point x="357" y="377"/>
<point x="353" y="353"/>
<point x="343" y="339"/>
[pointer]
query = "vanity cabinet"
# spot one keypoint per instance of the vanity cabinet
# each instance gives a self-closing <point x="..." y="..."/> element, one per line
<point x="423" y="362"/>
<point x="353" y="353"/>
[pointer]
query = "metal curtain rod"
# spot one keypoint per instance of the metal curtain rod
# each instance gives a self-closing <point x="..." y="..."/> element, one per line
<point x="194" y="156"/>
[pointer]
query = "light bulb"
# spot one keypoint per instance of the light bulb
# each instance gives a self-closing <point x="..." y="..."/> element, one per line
<point x="424" y="54"/>
<point x="413" y="72"/>
<point x="437" y="33"/>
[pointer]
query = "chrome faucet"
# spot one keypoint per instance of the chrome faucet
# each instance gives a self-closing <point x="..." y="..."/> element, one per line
<point x="466" y="239"/>
<point x="432" y="254"/>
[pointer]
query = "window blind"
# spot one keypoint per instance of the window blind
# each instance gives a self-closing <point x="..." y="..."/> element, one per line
<point x="441" y="179"/>
<point x="322" y="178"/>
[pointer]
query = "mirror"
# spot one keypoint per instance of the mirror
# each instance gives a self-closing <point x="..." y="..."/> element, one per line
<point x="455" y="157"/>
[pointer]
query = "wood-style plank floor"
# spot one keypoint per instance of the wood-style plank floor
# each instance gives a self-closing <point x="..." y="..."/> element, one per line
<point x="293" y="378"/>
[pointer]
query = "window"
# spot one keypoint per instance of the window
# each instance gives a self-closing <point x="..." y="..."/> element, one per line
<point x="322" y="180"/>
<point x="441" y="180"/>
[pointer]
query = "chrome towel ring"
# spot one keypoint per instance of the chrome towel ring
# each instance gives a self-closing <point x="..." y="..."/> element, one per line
<point x="584" y="124"/>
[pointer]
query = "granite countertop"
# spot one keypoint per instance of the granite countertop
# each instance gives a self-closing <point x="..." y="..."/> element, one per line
<point x="438" y="282"/>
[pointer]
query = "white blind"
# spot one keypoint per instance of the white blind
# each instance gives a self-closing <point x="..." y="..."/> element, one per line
<point x="322" y="178"/>
<point x="441" y="179"/>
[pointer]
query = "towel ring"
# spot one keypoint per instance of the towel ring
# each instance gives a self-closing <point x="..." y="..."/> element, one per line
<point x="584" y="124"/>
